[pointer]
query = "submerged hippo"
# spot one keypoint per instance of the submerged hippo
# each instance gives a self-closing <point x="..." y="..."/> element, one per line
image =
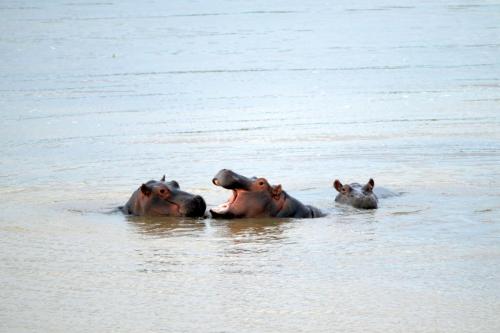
<point x="356" y="195"/>
<point x="164" y="198"/>
<point x="254" y="197"/>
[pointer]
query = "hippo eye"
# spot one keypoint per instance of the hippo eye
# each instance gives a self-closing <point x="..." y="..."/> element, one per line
<point x="162" y="191"/>
<point x="261" y="183"/>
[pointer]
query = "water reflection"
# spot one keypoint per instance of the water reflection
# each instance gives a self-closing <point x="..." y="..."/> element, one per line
<point x="239" y="230"/>
<point x="164" y="226"/>
<point x="254" y="230"/>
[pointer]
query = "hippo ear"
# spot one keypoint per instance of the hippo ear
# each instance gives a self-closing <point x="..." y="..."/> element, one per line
<point x="370" y="185"/>
<point x="146" y="190"/>
<point x="276" y="191"/>
<point x="338" y="185"/>
<point x="162" y="178"/>
<point x="174" y="184"/>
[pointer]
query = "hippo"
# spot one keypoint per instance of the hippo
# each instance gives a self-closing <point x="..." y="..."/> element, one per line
<point x="255" y="197"/>
<point x="356" y="195"/>
<point x="164" y="198"/>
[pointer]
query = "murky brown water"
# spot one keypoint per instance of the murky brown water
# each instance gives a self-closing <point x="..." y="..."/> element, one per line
<point x="98" y="97"/>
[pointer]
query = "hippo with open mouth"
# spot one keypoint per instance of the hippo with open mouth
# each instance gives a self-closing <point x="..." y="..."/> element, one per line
<point x="164" y="198"/>
<point x="255" y="197"/>
<point x="357" y="195"/>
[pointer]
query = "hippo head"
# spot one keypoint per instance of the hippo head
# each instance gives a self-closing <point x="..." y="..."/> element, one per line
<point x="164" y="198"/>
<point x="356" y="195"/>
<point x="251" y="197"/>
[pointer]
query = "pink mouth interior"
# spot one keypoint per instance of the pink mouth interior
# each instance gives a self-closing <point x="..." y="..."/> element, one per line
<point x="223" y="208"/>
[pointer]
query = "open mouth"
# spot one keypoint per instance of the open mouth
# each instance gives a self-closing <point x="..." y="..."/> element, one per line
<point x="224" y="208"/>
<point x="231" y="181"/>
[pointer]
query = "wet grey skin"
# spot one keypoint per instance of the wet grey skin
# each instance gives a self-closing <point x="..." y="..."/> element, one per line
<point x="255" y="197"/>
<point x="356" y="195"/>
<point x="161" y="198"/>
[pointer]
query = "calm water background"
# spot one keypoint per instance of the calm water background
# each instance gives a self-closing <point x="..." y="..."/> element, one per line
<point x="98" y="97"/>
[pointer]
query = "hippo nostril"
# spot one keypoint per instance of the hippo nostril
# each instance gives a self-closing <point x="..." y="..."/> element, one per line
<point x="215" y="181"/>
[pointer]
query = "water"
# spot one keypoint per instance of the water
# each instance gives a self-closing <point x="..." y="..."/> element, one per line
<point x="98" y="97"/>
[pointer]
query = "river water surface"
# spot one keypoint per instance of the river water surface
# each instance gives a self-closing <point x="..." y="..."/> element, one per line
<point x="98" y="97"/>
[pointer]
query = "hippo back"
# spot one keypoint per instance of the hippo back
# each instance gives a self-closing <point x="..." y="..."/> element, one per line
<point x="294" y="208"/>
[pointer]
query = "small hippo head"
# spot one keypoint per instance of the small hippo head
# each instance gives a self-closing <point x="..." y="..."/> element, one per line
<point x="356" y="195"/>
<point x="164" y="198"/>
<point x="251" y="197"/>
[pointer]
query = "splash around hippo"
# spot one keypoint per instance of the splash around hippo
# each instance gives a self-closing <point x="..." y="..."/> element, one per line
<point x="255" y="197"/>
<point x="164" y="198"/>
<point x="357" y="195"/>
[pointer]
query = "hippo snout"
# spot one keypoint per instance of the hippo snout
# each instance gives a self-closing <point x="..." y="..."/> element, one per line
<point x="196" y="207"/>
<point x="231" y="180"/>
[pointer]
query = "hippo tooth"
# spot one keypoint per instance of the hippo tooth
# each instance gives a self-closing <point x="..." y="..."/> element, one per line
<point x="221" y="209"/>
